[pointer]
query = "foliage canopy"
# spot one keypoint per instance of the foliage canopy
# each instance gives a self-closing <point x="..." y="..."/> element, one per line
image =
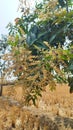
<point x="40" y="52"/>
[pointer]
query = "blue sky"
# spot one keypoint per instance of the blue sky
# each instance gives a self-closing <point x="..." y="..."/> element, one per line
<point x="8" y="12"/>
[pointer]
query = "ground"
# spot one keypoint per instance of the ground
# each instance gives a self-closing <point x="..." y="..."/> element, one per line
<point x="55" y="107"/>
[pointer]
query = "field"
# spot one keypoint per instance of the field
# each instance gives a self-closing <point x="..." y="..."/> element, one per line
<point x="57" y="104"/>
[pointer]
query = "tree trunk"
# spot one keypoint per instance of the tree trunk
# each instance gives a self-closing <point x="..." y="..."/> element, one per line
<point x="1" y="87"/>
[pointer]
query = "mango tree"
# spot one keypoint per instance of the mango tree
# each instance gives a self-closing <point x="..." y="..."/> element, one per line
<point x="41" y="54"/>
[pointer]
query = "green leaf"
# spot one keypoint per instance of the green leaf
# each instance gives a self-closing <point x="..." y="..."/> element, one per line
<point x="71" y="67"/>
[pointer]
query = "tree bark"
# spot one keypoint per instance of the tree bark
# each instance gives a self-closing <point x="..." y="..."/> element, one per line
<point x="1" y="88"/>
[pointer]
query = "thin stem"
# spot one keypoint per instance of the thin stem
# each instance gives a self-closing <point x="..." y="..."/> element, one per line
<point x="67" y="6"/>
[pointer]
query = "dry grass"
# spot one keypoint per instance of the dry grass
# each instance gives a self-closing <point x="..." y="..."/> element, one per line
<point x="57" y="105"/>
<point x="59" y="101"/>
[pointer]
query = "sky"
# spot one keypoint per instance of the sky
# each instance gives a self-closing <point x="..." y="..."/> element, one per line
<point x="8" y="12"/>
